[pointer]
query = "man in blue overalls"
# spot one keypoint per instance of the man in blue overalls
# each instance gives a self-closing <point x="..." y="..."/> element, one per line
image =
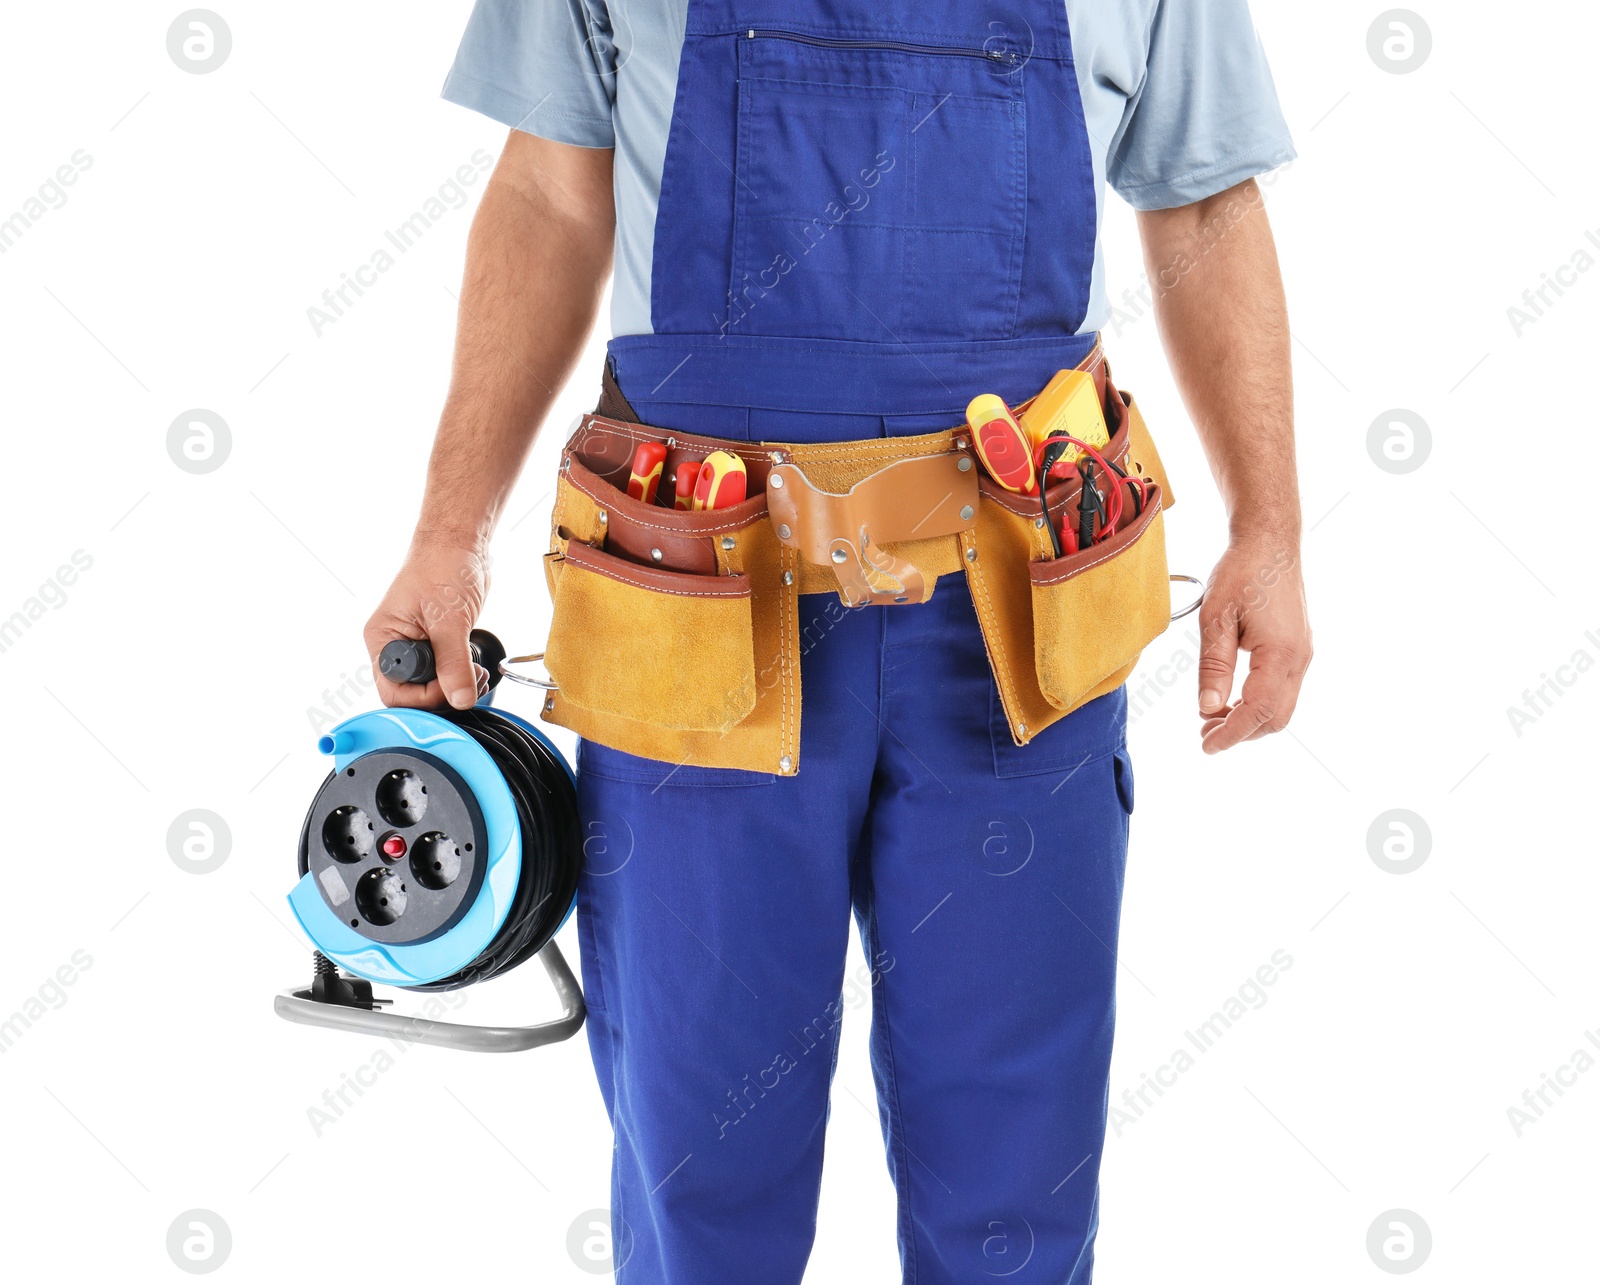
<point x="834" y="220"/>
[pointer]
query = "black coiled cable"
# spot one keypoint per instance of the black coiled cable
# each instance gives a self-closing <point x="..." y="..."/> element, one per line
<point x="552" y="844"/>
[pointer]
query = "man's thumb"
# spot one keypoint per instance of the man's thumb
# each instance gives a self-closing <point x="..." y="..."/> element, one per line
<point x="452" y="659"/>
<point x="1219" y="653"/>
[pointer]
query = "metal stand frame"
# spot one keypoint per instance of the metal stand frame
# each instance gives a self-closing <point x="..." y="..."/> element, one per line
<point x="298" y="1006"/>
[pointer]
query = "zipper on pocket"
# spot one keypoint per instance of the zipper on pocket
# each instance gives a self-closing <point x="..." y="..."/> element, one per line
<point x="1002" y="56"/>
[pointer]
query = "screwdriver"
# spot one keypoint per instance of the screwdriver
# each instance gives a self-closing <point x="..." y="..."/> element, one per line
<point x="1001" y="443"/>
<point x="722" y="481"/>
<point x="683" y="485"/>
<point x="648" y="461"/>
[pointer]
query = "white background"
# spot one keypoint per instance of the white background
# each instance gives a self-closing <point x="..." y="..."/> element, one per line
<point x="219" y="609"/>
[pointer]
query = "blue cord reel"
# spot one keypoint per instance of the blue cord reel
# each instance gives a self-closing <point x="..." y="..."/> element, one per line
<point x="443" y="849"/>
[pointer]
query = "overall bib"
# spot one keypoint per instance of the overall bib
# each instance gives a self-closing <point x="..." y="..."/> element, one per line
<point x="871" y="211"/>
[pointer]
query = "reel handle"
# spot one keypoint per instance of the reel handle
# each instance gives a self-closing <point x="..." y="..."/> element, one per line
<point x="410" y="660"/>
<point x="303" y="1006"/>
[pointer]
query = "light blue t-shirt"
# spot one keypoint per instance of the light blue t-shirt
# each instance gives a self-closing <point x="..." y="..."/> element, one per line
<point x="1177" y="96"/>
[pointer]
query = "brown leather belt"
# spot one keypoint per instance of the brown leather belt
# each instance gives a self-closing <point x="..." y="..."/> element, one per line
<point x="871" y="519"/>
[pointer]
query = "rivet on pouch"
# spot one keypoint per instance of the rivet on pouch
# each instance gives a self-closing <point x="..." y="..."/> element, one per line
<point x="727" y="543"/>
<point x="549" y="704"/>
<point x="964" y="464"/>
<point x="776" y="481"/>
<point x="602" y="518"/>
<point x="788" y="577"/>
<point x="655" y="555"/>
<point x="1022" y="730"/>
<point x="786" y="764"/>
<point x="1038" y="523"/>
<point x="839" y="555"/>
<point x="966" y="513"/>
<point x="972" y="554"/>
<point x="783" y="532"/>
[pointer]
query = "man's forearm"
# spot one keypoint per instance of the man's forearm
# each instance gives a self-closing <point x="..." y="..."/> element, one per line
<point x="1220" y="305"/>
<point x="1224" y="323"/>
<point x="537" y="261"/>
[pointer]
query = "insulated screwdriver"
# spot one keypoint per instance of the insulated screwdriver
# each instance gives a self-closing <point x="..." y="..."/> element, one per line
<point x="722" y="482"/>
<point x="648" y="461"/>
<point x="683" y="485"/>
<point x="1001" y="443"/>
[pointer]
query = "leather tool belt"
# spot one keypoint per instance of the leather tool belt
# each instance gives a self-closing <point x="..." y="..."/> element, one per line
<point x="677" y="635"/>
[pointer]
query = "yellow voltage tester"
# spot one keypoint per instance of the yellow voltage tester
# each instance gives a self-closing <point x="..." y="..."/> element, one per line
<point x="1069" y="404"/>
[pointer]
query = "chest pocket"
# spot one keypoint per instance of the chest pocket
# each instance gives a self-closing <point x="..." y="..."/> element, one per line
<point x="881" y="190"/>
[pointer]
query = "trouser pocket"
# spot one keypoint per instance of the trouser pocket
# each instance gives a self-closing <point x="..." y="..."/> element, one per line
<point x="1096" y="610"/>
<point x="619" y="626"/>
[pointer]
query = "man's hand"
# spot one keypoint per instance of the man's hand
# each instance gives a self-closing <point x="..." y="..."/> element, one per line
<point x="1220" y="305"/>
<point x="437" y="595"/>
<point x="1255" y="602"/>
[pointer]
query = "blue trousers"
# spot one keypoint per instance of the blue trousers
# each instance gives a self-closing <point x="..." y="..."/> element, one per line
<point x="985" y="880"/>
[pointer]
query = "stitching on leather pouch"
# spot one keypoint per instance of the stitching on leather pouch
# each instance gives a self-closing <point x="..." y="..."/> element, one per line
<point x="556" y="513"/>
<point x="894" y="458"/>
<point x="655" y="588"/>
<point x="647" y="433"/>
<point x="938" y="439"/>
<point x="632" y="433"/>
<point x="893" y="448"/>
<point x="1144" y="525"/>
<point x="783" y="650"/>
<point x="999" y="642"/>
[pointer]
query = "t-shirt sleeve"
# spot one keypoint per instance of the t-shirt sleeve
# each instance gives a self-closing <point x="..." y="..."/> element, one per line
<point x="1206" y="114"/>
<point x="546" y="67"/>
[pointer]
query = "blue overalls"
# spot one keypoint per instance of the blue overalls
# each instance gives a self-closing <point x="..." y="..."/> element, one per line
<point x="871" y="211"/>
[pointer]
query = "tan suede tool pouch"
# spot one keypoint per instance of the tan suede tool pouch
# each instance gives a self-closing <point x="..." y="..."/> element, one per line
<point x="1095" y="611"/>
<point x="671" y="633"/>
<point x="1062" y="631"/>
<point x="619" y="622"/>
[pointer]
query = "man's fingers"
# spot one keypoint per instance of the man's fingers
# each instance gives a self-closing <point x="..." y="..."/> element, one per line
<point x="380" y="631"/>
<point x="1240" y="723"/>
<point x="1265" y="702"/>
<point x="452" y="660"/>
<point x="428" y="695"/>
<point x="410" y="695"/>
<point x="1288" y="698"/>
<point x="1219" y="653"/>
